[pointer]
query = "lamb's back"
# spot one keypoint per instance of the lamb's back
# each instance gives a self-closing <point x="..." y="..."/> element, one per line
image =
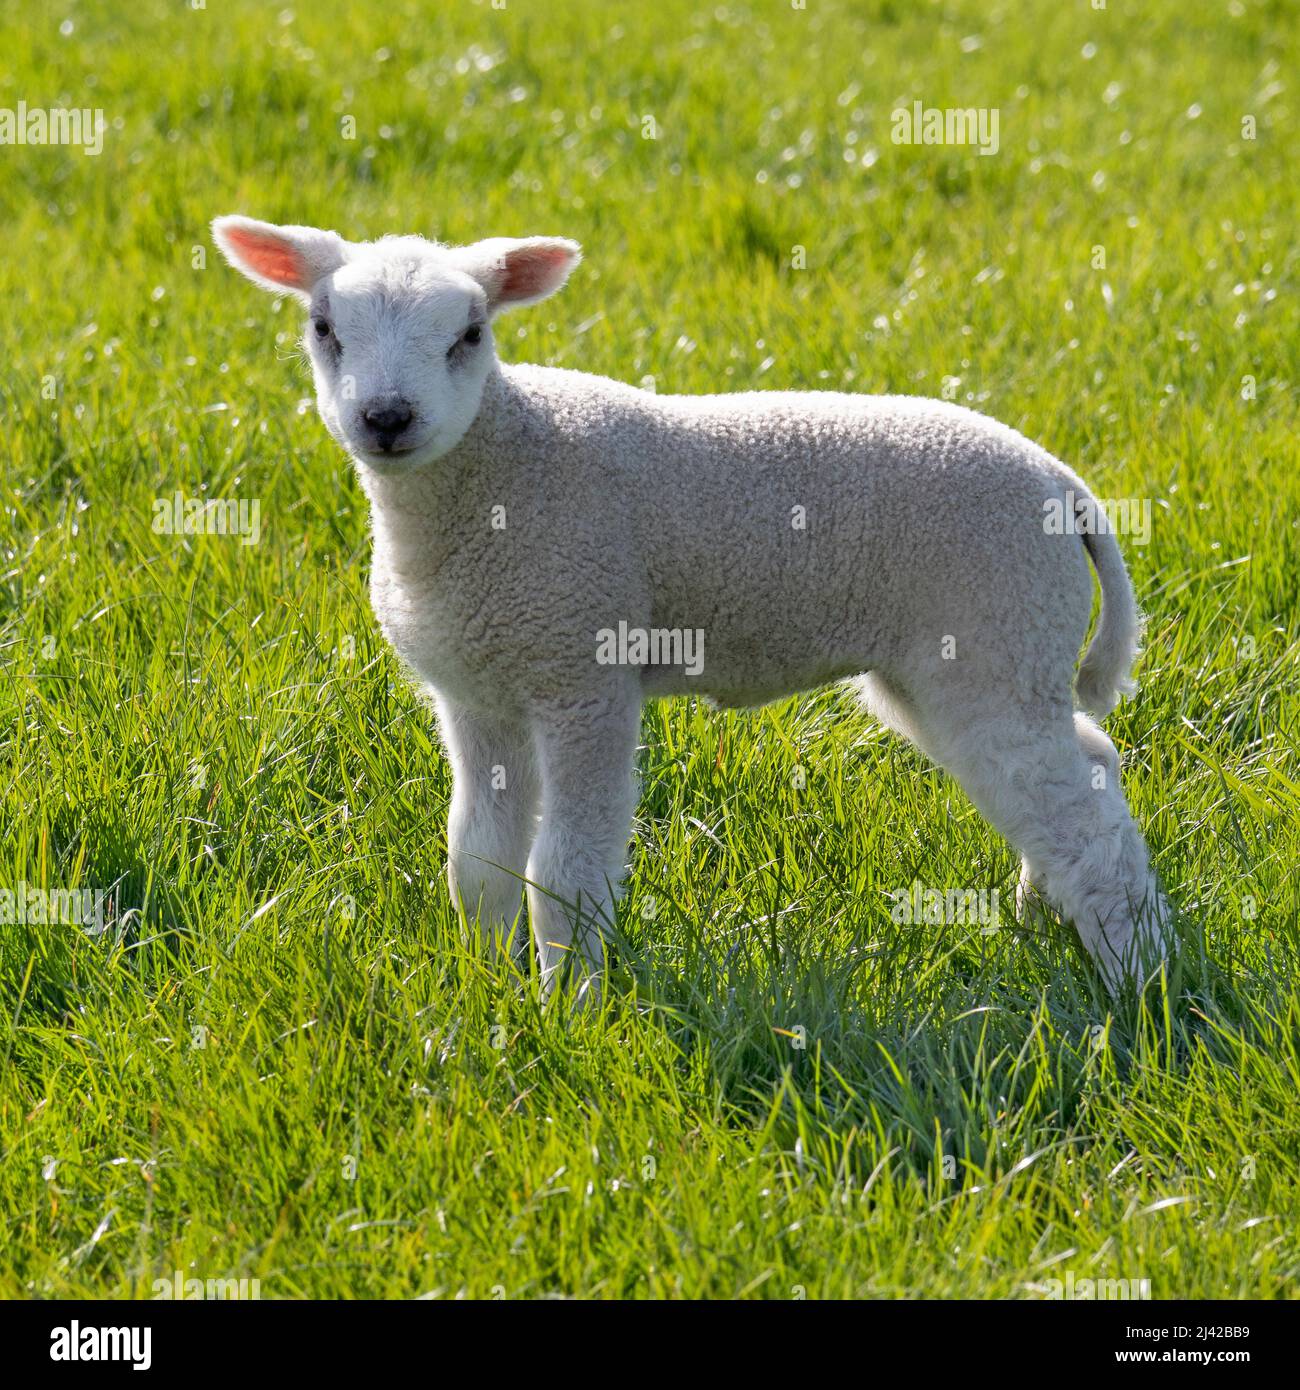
<point x="800" y="530"/>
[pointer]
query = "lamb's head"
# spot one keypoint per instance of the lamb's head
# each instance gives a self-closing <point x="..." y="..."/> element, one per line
<point x="399" y="331"/>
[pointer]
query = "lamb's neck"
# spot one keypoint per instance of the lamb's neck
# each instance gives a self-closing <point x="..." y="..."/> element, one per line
<point x="416" y="515"/>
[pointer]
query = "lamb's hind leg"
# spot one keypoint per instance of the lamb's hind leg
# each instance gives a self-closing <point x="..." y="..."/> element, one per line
<point x="1104" y="772"/>
<point x="1049" y="781"/>
<point x="1053" y="789"/>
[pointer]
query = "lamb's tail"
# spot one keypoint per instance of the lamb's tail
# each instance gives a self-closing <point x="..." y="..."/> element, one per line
<point x="1104" y="671"/>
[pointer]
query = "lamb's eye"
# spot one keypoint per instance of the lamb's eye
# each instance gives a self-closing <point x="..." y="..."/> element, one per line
<point x="467" y="339"/>
<point x="322" y="327"/>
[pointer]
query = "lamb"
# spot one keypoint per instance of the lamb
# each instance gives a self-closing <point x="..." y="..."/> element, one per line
<point x="521" y="515"/>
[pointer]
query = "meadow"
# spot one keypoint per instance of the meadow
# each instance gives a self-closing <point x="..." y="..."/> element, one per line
<point x="274" y="1053"/>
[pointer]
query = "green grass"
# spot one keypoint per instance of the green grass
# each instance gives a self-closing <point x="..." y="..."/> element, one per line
<point x="280" y="1060"/>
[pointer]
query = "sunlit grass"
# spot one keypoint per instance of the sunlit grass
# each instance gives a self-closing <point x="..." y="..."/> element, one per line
<point x="280" y="1060"/>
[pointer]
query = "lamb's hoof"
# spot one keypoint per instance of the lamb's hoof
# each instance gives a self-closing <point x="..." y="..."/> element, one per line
<point x="576" y="982"/>
<point x="1033" y="911"/>
<point x="586" y="991"/>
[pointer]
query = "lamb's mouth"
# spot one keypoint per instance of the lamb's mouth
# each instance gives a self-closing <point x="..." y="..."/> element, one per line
<point x="396" y="456"/>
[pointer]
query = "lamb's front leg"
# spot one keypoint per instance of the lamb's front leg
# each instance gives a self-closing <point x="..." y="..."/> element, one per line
<point x="493" y="817"/>
<point x="586" y="752"/>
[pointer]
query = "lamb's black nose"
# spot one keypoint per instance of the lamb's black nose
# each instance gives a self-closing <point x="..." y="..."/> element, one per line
<point x="388" y="423"/>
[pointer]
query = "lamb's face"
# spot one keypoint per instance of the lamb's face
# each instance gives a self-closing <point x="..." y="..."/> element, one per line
<point x="398" y="330"/>
<point x="400" y="346"/>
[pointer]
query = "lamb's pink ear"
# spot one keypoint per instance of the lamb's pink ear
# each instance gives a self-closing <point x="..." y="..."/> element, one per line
<point x="514" y="272"/>
<point x="280" y="259"/>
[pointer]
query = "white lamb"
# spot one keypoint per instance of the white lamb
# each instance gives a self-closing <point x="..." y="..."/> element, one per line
<point x="524" y="516"/>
